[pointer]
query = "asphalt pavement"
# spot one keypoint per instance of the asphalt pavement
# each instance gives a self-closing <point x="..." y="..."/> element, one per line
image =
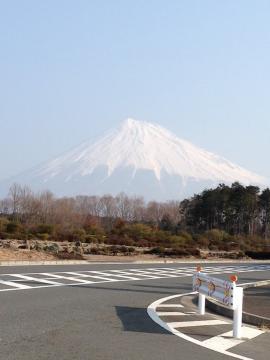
<point x="257" y="301"/>
<point x="100" y="311"/>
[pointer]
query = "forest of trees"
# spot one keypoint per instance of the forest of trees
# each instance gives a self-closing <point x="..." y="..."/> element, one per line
<point x="225" y="218"/>
<point x="238" y="210"/>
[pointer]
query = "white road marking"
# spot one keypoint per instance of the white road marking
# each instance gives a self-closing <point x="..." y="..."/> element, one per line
<point x="92" y="277"/>
<point x="163" y="272"/>
<point x="170" y="305"/>
<point x="30" y="278"/>
<point x="76" y="274"/>
<point x="115" y="275"/>
<point x="100" y="277"/>
<point x="15" y="285"/>
<point x="68" y="278"/>
<point x="170" y="313"/>
<point x="137" y="273"/>
<point x="226" y="341"/>
<point x="151" y="310"/>
<point x="197" y="323"/>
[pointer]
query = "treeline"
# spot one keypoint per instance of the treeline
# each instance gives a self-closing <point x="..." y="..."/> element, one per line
<point x="240" y="213"/>
<point x="102" y="219"/>
<point x="225" y="218"/>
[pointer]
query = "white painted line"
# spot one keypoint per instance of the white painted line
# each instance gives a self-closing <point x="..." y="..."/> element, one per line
<point x="115" y="275"/>
<point x="175" y="269"/>
<point x="30" y="278"/>
<point x="152" y="274"/>
<point x="127" y="272"/>
<point x="75" y="274"/>
<point x="189" y="270"/>
<point x="163" y="273"/>
<point x="14" y="285"/>
<point x="151" y="310"/>
<point x="137" y="274"/>
<point x="142" y="274"/>
<point x="164" y="268"/>
<point x="197" y="323"/>
<point x="170" y="306"/>
<point x="250" y="332"/>
<point x="170" y="313"/>
<point x="166" y="275"/>
<point x="69" y="278"/>
<point x="101" y="277"/>
<point x="226" y="341"/>
<point x="221" y="343"/>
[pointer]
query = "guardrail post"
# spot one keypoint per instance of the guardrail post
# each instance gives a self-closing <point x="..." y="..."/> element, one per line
<point x="201" y="301"/>
<point x="201" y="304"/>
<point x="237" y="313"/>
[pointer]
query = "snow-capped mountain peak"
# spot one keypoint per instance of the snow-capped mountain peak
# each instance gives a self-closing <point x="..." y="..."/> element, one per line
<point x="132" y="156"/>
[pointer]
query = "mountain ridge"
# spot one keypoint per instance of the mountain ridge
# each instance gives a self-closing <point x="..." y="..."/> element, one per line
<point x="127" y="154"/>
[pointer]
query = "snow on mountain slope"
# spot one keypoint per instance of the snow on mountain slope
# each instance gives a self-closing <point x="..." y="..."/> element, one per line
<point x="131" y="156"/>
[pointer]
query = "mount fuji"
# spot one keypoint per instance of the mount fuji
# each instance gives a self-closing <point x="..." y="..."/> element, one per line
<point x="138" y="158"/>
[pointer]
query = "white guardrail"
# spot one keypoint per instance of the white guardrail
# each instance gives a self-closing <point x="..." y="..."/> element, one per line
<point x="223" y="291"/>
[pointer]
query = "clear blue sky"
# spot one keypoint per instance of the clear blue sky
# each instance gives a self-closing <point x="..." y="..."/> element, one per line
<point x="71" y="69"/>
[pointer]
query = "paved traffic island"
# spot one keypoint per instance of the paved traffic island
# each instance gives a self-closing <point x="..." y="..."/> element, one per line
<point x="179" y="315"/>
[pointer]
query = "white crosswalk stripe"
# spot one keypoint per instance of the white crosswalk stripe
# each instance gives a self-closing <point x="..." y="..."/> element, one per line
<point x="170" y="306"/>
<point x="196" y="323"/>
<point x="68" y="278"/>
<point x="164" y="273"/>
<point x="48" y="279"/>
<point x="137" y="273"/>
<point x="15" y="285"/>
<point x="115" y="275"/>
<point x="101" y="277"/>
<point x="30" y="278"/>
<point x="170" y="313"/>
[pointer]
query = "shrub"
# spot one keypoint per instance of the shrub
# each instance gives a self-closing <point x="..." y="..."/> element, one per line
<point x="91" y="239"/>
<point x="69" y="256"/>
<point x="4" y="235"/>
<point x="139" y="231"/>
<point x="203" y="241"/>
<point x="124" y="249"/>
<point x="185" y="235"/>
<point x="131" y="250"/>
<point x="12" y="227"/>
<point x="3" y="224"/>
<point x="159" y="250"/>
<point x="78" y="235"/>
<point x="218" y="239"/>
<point x="142" y="243"/>
<point x="44" y="229"/>
<point x="177" y="240"/>
<point x="43" y="236"/>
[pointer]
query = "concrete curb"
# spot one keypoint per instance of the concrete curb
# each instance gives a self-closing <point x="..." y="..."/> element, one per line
<point x="248" y="318"/>
<point x="46" y="262"/>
